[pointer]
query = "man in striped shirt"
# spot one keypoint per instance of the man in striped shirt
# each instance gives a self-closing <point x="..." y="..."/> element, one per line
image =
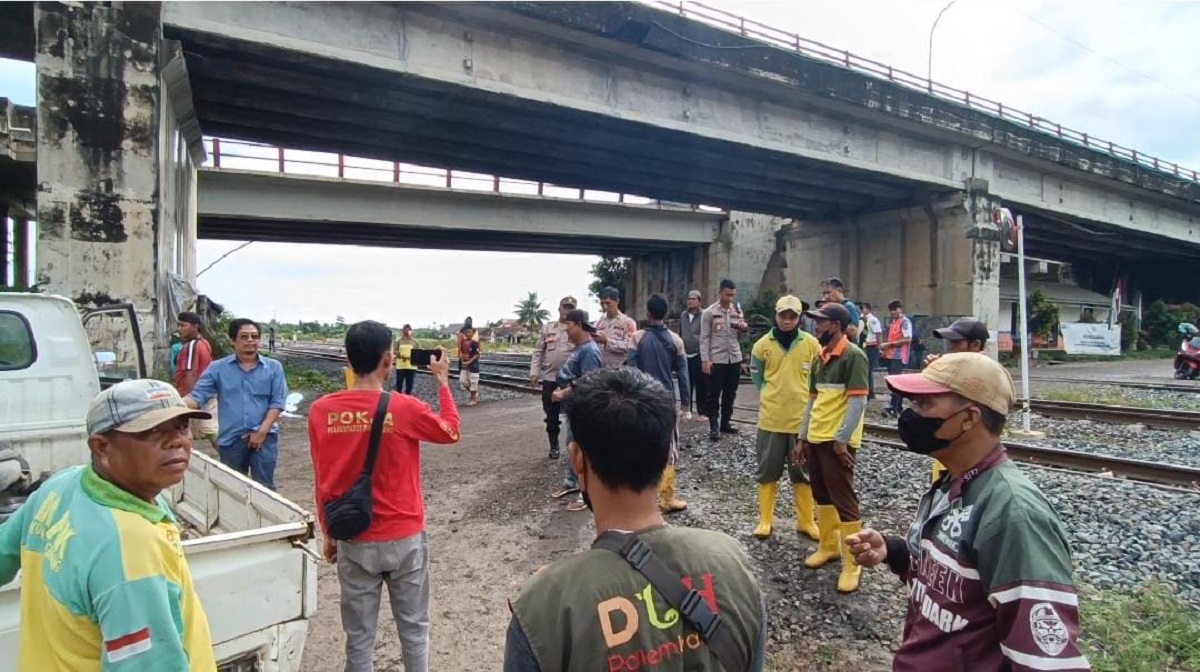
<point x="194" y="357"/>
<point x="830" y="434"/>
<point x="986" y="562"/>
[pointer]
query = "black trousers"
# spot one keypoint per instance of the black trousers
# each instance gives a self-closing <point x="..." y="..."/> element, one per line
<point x="405" y="379"/>
<point x="698" y="382"/>
<point x="723" y="385"/>
<point x="552" y="409"/>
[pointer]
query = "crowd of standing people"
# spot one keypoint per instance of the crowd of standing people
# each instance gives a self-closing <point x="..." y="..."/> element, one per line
<point x="986" y="562"/>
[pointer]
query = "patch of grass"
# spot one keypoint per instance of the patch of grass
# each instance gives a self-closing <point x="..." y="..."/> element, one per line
<point x="309" y="379"/>
<point x="1146" y="631"/>
<point x="1110" y="396"/>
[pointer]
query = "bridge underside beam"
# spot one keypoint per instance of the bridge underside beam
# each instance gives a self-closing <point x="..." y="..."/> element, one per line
<point x="271" y="91"/>
<point x="379" y="235"/>
<point x="261" y="206"/>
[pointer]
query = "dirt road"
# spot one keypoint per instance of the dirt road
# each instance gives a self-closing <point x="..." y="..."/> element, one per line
<point x="490" y="523"/>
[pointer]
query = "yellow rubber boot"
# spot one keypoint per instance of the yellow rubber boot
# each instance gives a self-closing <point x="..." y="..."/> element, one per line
<point x="848" y="580"/>
<point x="802" y="495"/>
<point x="938" y="470"/>
<point x="830" y="526"/>
<point x="766" y="509"/>
<point x="666" y="493"/>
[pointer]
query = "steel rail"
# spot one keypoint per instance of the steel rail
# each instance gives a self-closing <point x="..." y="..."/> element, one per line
<point x="1142" y="471"/>
<point x="1151" y="417"/>
<point x="1143" y="385"/>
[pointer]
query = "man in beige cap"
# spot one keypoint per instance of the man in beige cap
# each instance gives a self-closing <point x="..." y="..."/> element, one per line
<point x="780" y="364"/>
<point x="104" y="582"/>
<point x="987" y="563"/>
<point x="553" y="348"/>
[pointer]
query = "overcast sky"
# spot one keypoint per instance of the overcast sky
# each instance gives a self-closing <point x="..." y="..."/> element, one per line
<point x="1121" y="71"/>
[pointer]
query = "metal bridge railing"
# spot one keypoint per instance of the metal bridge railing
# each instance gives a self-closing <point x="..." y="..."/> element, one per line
<point x="780" y="38"/>
<point x="269" y="158"/>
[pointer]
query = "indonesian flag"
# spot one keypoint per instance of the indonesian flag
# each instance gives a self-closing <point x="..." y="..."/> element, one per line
<point x="128" y="646"/>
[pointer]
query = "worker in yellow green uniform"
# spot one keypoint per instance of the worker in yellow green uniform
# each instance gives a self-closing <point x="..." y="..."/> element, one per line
<point x="780" y="363"/>
<point x="406" y="371"/>
<point x="104" y="582"/>
<point x="830" y="435"/>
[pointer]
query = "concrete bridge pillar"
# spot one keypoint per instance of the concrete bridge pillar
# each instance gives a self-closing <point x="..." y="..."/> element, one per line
<point x="116" y="160"/>
<point x="20" y="243"/>
<point x="5" y="244"/>
<point x="941" y="258"/>
<point x="742" y="252"/>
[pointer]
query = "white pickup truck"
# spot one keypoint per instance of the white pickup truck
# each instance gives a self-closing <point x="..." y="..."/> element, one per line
<point x="251" y="551"/>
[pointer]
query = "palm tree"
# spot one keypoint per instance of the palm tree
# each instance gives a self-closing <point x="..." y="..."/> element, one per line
<point x="530" y="312"/>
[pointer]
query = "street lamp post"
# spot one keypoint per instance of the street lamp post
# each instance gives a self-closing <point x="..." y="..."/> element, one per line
<point x="929" y="72"/>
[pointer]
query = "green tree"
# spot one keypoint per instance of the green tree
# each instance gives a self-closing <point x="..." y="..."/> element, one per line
<point x="1043" y="315"/>
<point x="530" y="312"/>
<point x="610" y="272"/>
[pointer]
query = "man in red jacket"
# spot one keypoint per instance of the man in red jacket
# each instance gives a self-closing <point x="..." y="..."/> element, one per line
<point x="393" y="549"/>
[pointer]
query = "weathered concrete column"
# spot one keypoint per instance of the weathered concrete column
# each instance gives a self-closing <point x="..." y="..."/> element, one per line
<point x="116" y="160"/>
<point x="672" y="274"/>
<point x="21" y="276"/>
<point x="985" y="259"/>
<point x="98" y="96"/>
<point x="942" y="258"/>
<point x="4" y="244"/>
<point x="742" y="253"/>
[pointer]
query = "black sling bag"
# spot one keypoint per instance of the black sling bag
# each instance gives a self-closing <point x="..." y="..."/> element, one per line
<point x="349" y="514"/>
<point x="689" y="603"/>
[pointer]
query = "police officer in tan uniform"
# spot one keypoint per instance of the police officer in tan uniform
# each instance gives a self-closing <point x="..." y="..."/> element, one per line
<point x="721" y="325"/>
<point x="553" y="348"/>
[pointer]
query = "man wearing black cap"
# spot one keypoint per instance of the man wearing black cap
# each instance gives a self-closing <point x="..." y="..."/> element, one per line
<point x="966" y="334"/>
<point x="584" y="358"/>
<point x="830" y="433"/>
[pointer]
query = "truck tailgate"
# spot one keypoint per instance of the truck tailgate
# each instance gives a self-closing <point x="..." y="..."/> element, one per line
<point x="249" y="553"/>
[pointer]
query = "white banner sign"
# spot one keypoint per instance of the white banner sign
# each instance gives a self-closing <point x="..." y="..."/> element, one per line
<point x="1090" y="339"/>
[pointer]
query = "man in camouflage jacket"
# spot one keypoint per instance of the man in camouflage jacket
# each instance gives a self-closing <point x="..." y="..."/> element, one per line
<point x="987" y="563"/>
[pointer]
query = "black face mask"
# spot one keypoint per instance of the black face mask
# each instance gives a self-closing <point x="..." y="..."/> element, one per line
<point x="825" y="338"/>
<point x="918" y="432"/>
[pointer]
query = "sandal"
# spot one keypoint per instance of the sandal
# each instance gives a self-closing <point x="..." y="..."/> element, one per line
<point x="577" y="505"/>
<point x="567" y="490"/>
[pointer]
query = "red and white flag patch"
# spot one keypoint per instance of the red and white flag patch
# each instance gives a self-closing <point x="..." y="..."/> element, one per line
<point x="127" y="646"/>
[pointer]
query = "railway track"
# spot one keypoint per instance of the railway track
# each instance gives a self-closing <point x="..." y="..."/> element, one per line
<point x="1142" y="385"/>
<point x="1142" y="471"/>
<point x="1151" y="417"/>
<point x="1158" y="473"/>
<point x="519" y="383"/>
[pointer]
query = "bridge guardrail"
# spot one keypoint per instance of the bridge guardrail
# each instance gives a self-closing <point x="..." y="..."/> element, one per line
<point x="749" y="28"/>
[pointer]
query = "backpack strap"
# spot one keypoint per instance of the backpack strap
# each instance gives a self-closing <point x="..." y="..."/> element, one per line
<point x="689" y="603"/>
<point x="376" y="432"/>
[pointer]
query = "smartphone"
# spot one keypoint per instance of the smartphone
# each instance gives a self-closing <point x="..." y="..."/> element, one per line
<point x="422" y="357"/>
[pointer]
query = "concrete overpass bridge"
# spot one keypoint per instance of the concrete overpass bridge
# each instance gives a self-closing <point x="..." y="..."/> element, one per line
<point x="857" y="168"/>
<point x="274" y="207"/>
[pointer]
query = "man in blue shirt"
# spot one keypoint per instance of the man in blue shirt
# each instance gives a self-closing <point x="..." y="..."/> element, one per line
<point x="659" y="352"/>
<point x="834" y="289"/>
<point x="250" y="390"/>
<point x="584" y="358"/>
